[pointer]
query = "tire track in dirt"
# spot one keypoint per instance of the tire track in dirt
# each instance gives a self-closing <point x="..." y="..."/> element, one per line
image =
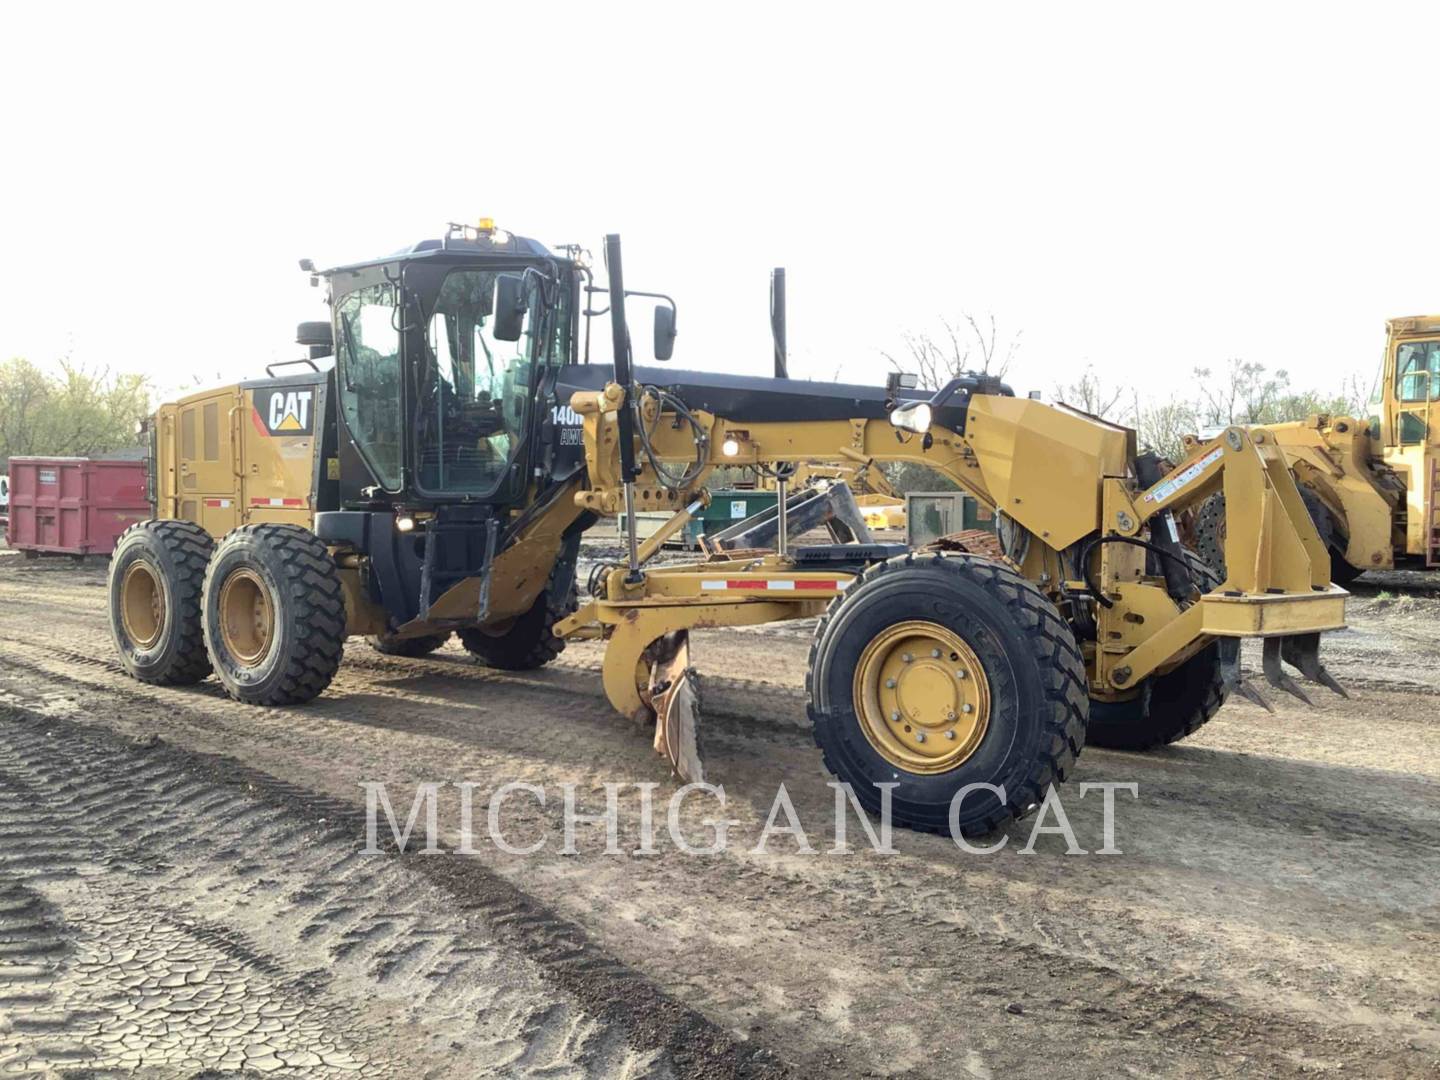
<point x="863" y="905"/>
<point x="172" y="866"/>
<point x="1075" y="952"/>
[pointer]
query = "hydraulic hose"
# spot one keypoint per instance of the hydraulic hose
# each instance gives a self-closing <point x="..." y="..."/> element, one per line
<point x="1133" y="541"/>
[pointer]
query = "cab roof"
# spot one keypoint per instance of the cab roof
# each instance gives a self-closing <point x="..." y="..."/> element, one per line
<point x="493" y="246"/>
<point x="1413" y="324"/>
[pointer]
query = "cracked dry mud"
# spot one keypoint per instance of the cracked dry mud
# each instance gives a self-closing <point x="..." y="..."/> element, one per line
<point x="152" y="916"/>
<point x="182" y="893"/>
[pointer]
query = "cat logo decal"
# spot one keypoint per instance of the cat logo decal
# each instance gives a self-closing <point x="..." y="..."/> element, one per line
<point x="285" y="412"/>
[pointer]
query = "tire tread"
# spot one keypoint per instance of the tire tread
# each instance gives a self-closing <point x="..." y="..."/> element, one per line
<point x="319" y="616"/>
<point x="1055" y="651"/>
<point x="190" y="547"/>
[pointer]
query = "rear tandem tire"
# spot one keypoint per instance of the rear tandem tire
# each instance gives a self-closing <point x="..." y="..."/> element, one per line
<point x="1032" y="694"/>
<point x="1173" y="705"/>
<point x="156" y="577"/>
<point x="274" y="614"/>
<point x="413" y="648"/>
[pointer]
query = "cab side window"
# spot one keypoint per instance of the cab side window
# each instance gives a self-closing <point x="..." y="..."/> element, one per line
<point x="1417" y="371"/>
<point x="370" y="378"/>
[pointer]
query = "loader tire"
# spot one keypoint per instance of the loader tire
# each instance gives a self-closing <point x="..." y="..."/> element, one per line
<point x="1210" y="535"/>
<point x="527" y="641"/>
<point x="1170" y="706"/>
<point x="274" y="614"/>
<point x="157" y="574"/>
<point x="412" y="647"/>
<point x="968" y="653"/>
<point x="1332" y="536"/>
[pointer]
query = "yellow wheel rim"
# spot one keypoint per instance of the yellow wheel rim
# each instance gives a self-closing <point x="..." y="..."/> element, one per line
<point x="142" y="604"/>
<point x="922" y="697"/>
<point x="247" y="617"/>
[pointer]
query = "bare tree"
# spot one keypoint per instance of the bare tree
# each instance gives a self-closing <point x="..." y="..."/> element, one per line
<point x="1243" y="393"/>
<point x="1354" y="397"/>
<point x="970" y="345"/>
<point x="1161" y="426"/>
<point x="1090" y="394"/>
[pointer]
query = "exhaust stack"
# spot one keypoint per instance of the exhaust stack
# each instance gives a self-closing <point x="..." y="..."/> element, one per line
<point x="777" y="320"/>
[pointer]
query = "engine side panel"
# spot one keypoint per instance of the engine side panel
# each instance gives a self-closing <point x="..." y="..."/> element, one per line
<point x="245" y="453"/>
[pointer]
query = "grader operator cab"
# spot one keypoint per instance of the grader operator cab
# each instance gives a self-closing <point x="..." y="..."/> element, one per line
<point x="438" y="477"/>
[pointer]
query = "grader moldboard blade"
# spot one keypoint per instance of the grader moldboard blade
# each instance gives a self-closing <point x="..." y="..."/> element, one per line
<point x="1302" y="652"/>
<point x="673" y="693"/>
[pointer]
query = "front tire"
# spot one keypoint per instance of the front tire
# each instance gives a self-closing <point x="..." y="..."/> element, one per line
<point x="528" y="641"/>
<point x="274" y="614"/>
<point x="157" y="574"/>
<point x="938" y="672"/>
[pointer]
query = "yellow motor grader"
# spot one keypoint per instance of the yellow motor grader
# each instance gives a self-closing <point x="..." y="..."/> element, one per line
<point x="435" y="478"/>
<point x="1372" y="488"/>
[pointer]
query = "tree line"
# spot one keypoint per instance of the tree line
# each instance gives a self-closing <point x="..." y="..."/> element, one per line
<point x="68" y="411"/>
<point x="72" y="411"/>
<point x="1242" y="392"/>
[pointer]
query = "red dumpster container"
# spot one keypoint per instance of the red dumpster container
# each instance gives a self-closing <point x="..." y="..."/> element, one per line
<point x="74" y="506"/>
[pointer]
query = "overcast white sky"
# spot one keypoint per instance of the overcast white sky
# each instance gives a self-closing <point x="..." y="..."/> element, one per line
<point x="1137" y="188"/>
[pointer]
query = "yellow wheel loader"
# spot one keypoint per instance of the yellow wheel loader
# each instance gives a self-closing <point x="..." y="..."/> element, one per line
<point x="435" y="474"/>
<point x="1371" y="488"/>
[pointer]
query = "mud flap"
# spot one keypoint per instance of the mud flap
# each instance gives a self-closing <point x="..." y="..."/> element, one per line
<point x="1302" y="652"/>
<point x="673" y="694"/>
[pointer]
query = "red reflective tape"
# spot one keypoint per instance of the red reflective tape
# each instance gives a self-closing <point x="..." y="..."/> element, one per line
<point x="294" y="502"/>
<point x="745" y="583"/>
<point x="817" y="584"/>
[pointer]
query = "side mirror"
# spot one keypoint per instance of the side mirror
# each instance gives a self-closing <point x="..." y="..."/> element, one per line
<point x="664" y="332"/>
<point x="509" y="307"/>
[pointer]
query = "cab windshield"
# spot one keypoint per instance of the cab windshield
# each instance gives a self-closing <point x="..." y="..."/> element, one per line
<point x="1417" y="370"/>
<point x="476" y="390"/>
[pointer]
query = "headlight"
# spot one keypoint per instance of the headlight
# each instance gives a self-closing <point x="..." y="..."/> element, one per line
<point x="912" y="416"/>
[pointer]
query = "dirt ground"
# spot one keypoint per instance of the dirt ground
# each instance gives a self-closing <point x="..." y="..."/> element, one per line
<point x="182" y="886"/>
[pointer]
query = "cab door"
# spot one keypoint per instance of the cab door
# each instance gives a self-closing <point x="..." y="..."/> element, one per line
<point x="1415" y="435"/>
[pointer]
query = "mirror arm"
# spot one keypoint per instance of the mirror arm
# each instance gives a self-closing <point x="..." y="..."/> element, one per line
<point x="652" y="296"/>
